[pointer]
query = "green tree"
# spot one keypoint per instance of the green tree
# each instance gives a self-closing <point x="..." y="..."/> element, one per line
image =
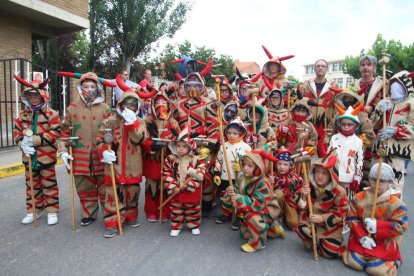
<point x="401" y="57"/>
<point x="135" y="25"/>
<point x="172" y="52"/>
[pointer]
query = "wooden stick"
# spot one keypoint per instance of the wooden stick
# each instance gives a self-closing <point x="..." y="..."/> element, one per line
<point x="223" y="142"/>
<point x="254" y="116"/>
<point x="310" y="205"/>
<point x="162" y="182"/>
<point x="72" y="195"/>
<point x="188" y="179"/>
<point x="32" y="191"/>
<point x="118" y="214"/>
<point x="374" y="204"/>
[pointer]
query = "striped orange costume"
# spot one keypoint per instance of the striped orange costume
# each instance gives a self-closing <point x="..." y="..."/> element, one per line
<point x="45" y="125"/>
<point x="83" y="120"/>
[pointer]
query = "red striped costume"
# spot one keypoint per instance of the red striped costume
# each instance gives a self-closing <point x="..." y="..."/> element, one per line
<point x="126" y="144"/>
<point x="332" y="204"/>
<point x="84" y="121"/>
<point x="185" y="207"/>
<point x="45" y="125"/>
<point x="392" y="222"/>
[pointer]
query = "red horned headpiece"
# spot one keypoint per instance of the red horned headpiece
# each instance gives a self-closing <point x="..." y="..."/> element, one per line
<point x="34" y="84"/>
<point x="140" y="93"/>
<point x="88" y="75"/>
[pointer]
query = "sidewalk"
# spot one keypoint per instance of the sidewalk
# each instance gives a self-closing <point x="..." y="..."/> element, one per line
<point x="11" y="162"/>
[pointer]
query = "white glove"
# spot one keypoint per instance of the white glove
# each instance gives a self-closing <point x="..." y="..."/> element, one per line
<point x="108" y="157"/>
<point x="384" y="105"/>
<point x="28" y="141"/>
<point x="65" y="156"/>
<point x="285" y="129"/>
<point x="367" y="242"/>
<point x="194" y="174"/>
<point x="371" y="225"/>
<point x="387" y="132"/>
<point x="129" y="116"/>
<point x="27" y="150"/>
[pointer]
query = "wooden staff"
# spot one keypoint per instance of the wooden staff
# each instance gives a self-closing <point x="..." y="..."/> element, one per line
<point x="186" y="181"/>
<point x="162" y="183"/>
<point x="108" y="140"/>
<point x="310" y="205"/>
<point x="223" y="142"/>
<point x="72" y="195"/>
<point x="381" y="151"/>
<point x="254" y="115"/>
<point x="32" y="191"/>
<point x="29" y="133"/>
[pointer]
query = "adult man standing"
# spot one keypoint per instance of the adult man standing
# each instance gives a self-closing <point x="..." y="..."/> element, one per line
<point x="367" y="68"/>
<point x="146" y="110"/>
<point x="118" y="91"/>
<point x="321" y="97"/>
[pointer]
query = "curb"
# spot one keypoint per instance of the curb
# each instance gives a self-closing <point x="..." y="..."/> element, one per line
<point x="15" y="169"/>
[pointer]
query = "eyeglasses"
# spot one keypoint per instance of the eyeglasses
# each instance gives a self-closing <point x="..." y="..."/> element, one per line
<point x="33" y="96"/>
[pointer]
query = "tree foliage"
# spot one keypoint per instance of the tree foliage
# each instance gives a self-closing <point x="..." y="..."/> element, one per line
<point x="133" y="26"/>
<point x="173" y="52"/>
<point x="401" y="57"/>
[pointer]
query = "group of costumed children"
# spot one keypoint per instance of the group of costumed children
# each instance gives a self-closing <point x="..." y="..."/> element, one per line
<point x="257" y="170"/>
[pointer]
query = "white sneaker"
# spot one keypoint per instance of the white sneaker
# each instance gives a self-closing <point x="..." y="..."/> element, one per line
<point x="174" y="233"/>
<point x="52" y="219"/>
<point x="29" y="218"/>
<point x="195" y="231"/>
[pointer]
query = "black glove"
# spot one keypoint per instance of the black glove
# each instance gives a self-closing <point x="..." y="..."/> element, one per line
<point x="157" y="145"/>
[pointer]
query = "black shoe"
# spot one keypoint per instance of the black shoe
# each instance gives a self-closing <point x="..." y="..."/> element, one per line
<point x="87" y="221"/>
<point x="222" y="219"/>
<point x="236" y="224"/>
<point x="132" y="223"/>
<point x="110" y="233"/>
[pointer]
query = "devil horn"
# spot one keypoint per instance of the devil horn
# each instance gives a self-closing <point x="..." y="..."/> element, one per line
<point x="146" y="96"/>
<point x="410" y="75"/>
<point x="178" y="76"/>
<point x="207" y="68"/>
<point x="70" y="74"/>
<point x="266" y="81"/>
<point x="331" y="162"/>
<point x="257" y="77"/>
<point x="44" y="83"/>
<point x="201" y="62"/>
<point x="358" y="109"/>
<point x="340" y="109"/>
<point x="269" y="55"/>
<point x="336" y="90"/>
<point x="285" y="57"/>
<point x="121" y="84"/>
<point x="362" y="90"/>
<point x="22" y="81"/>
<point x="299" y="94"/>
<point x="239" y="75"/>
<point x="177" y="60"/>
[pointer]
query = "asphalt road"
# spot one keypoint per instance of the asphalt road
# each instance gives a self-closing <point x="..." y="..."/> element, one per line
<point x="148" y="249"/>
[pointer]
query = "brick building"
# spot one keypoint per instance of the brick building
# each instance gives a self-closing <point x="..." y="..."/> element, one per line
<point x="22" y="22"/>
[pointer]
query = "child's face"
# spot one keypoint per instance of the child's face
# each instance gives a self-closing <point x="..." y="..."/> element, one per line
<point x="322" y="176"/>
<point x="34" y="98"/>
<point x="89" y="89"/>
<point x="347" y="124"/>
<point x="232" y="133"/>
<point x="299" y="112"/>
<point x="275" y="100"/>
<point x="182" y="148"/>
<point x="224" y="92"/>
<point x="248" y="167"/>
<point x="258" y="116"/>
<point x="383" y="185"/>
<point x="282" y="167"/>
<point x="130" y="103"/>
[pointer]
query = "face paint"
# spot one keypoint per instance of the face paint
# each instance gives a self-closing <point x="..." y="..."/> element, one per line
<point x="161" y="111"/>
<point x="89" y="90"/>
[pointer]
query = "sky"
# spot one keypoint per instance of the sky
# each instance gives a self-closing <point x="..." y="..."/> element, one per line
<point x="310" y="30"/>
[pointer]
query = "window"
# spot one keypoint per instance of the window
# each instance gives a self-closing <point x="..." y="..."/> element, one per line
<point x="336" y="66"/>
<point x="310" y="70"/>
<point x="340" y="82"/>
<point x="349" y="81"/>
<point x="330" y="66"/>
